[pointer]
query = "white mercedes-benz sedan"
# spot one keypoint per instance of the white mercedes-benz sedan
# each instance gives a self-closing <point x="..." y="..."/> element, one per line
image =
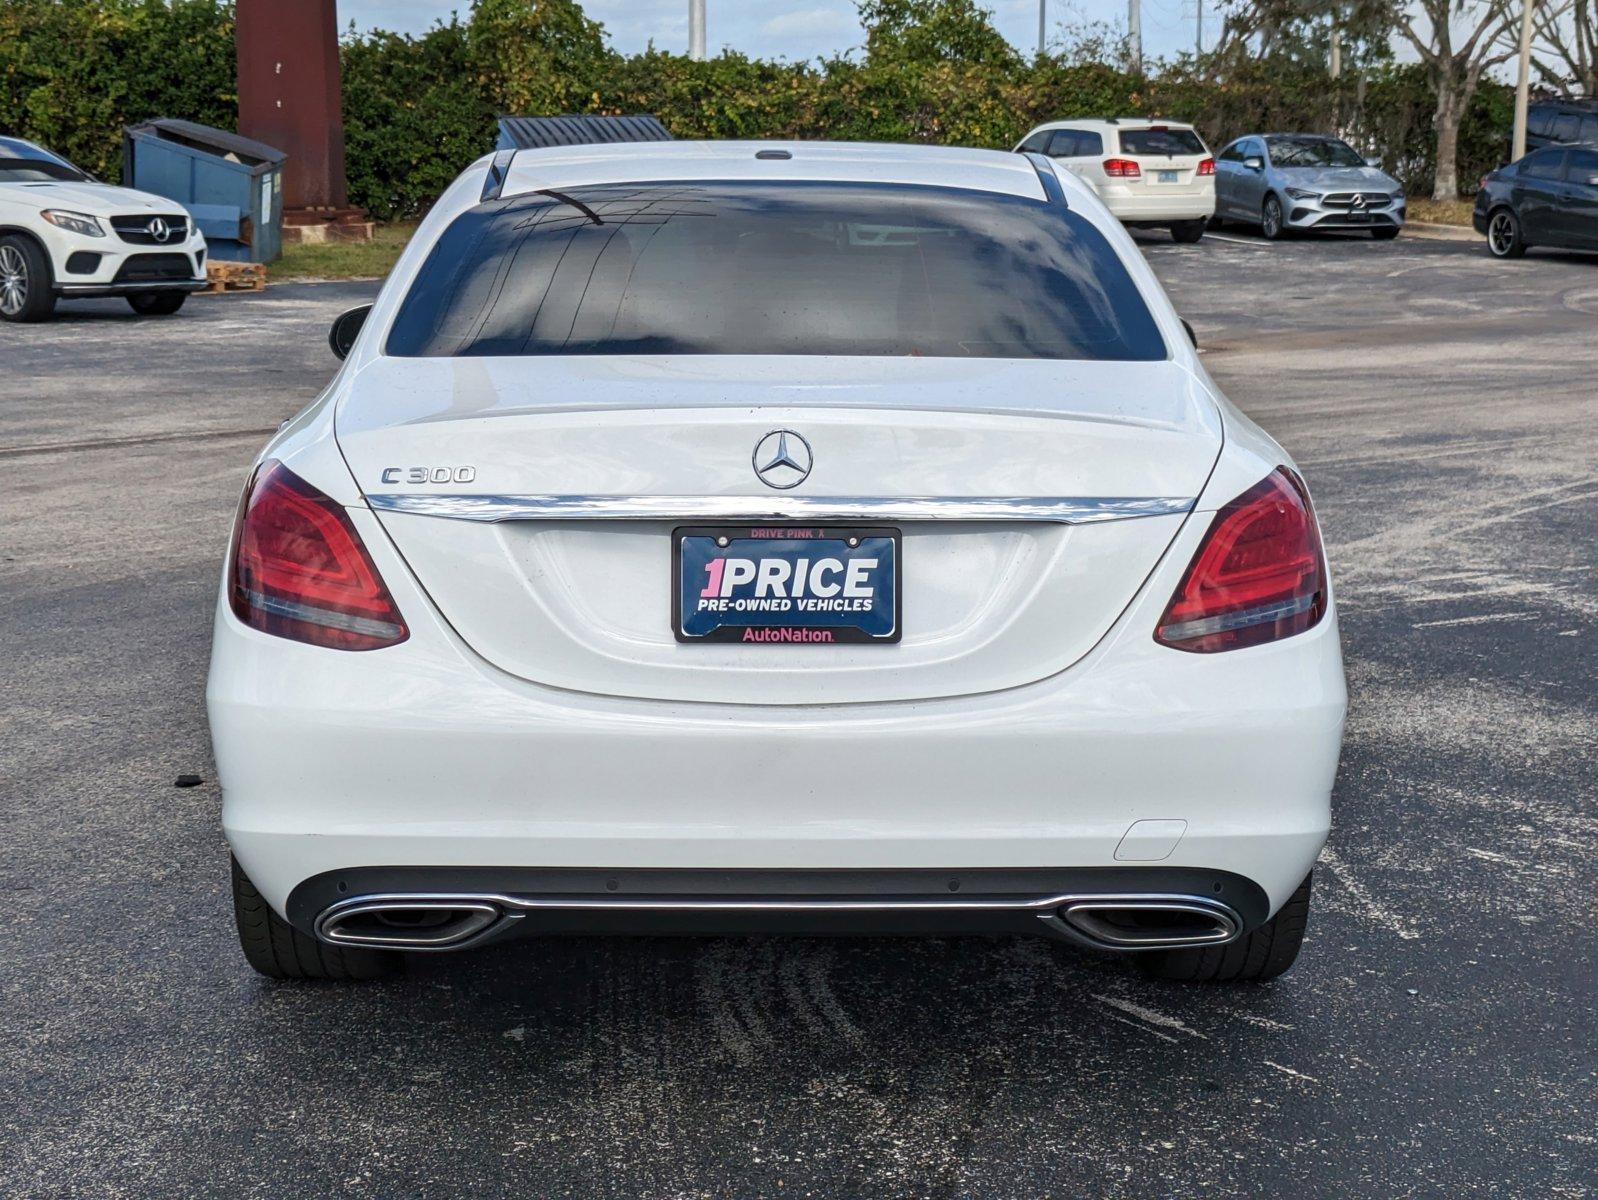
<point x="818" y="538"/>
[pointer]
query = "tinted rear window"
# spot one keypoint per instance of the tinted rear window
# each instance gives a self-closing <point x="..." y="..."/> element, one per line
<point x="1160" y="141"/>
<point x="1583" y="165"/>
<point x="757" y="268"/>
<point x="1544" y="164"/>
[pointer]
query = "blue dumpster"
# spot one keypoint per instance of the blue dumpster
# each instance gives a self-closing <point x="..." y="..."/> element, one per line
<point x="232" y="186"/>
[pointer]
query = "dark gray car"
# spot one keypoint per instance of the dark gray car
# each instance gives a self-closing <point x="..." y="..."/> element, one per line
<point x="1283" y="181"/>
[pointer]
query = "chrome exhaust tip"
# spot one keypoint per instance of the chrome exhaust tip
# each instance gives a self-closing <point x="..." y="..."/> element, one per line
<point x="1151" y="923"/>
<point x="407" y="923"/>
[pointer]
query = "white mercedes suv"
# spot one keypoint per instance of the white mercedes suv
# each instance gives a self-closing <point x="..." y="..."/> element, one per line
<point x="779" y="536"/>
<point x="63" y="233"/>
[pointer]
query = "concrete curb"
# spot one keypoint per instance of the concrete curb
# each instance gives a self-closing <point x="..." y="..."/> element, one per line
<point x="1446" y="233"/>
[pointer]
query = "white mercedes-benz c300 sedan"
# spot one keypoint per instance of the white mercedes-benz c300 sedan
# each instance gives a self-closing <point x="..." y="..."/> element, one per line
<point x="800" y="537"/>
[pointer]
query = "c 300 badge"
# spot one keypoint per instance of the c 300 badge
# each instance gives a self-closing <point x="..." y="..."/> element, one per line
<point x="429" y="474"/>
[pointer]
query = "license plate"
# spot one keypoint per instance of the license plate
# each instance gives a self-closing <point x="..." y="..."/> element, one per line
<point x="1359" y="216"/>
<point x="1166" y="176"/>
<point x="786" y="585"/>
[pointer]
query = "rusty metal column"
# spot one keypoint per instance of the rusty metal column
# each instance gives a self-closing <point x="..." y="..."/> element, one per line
<point x="290" y="96"/>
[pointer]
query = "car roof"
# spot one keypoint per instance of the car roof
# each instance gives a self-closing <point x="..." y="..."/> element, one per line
<point x="1104" y="124"/>
<point x="15" y="147"/>
<point x="1580" y="104"/>
<point x="831" y="162"/>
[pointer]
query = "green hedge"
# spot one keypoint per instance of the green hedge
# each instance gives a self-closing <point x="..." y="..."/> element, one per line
<point x="74" y="72"/>
<point x="418" y="108"/>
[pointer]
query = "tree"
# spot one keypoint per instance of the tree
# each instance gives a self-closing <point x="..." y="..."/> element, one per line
<point x="1302" y="30"/>
<point x="1566" y="51"/>
<point x="928" y="32"/>
<point x="1456" y="71"/>
<point x="536" y="57"/>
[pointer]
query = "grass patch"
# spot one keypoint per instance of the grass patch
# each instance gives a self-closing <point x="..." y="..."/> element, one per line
<point x="344" y="260"/>
<point x="1441" y="212"/>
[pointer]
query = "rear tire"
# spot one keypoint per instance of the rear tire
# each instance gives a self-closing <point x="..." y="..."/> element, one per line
<point x="1272" y="224"/>
<point x="1188" y="232"/>
<point x="1504" y="239"/>
<point x="25" y="283"/>
<point x="1259" y="955"/>
<point x="157" y="304"/>
<point x="279" y="951"/>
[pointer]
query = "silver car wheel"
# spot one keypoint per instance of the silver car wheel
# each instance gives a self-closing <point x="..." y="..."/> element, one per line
<point x="1271" y="217"/>
<point x="13" y="280"/>
<point x="1501" y="233"/>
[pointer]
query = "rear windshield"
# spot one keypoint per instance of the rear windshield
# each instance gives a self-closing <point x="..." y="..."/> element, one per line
<point x="761" y="268"/>
<point x="1159" y="140"/>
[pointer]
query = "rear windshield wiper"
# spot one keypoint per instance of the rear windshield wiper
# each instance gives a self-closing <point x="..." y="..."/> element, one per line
<point x="575" y="203"/>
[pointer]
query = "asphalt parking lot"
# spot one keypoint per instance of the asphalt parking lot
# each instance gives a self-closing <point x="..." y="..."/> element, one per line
<point x="1436" y="1039"/>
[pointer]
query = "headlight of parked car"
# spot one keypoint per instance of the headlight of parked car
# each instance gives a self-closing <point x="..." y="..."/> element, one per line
<point x="1302" y="194"/>
<point x="1398" y="197"/>
<point x="73" y="222"/>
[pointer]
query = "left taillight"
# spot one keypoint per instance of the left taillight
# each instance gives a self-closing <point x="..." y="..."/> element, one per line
<point x="298" y="569"/>
<point x="1206" y="167"/>
<point x="1258" y="575"/>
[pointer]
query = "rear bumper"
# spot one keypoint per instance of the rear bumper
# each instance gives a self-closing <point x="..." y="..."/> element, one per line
<point x="464" y="907"/>
<point x="1479" y="214"/>
<point x="1140" y="207"/>
<point x="423" y="756"/>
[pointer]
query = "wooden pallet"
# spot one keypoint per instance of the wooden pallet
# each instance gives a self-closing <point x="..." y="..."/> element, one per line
<point x="233" y="277"/>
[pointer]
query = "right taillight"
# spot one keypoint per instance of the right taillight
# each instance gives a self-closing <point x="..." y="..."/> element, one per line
<point x="299" y="570"/>
<point x="1122" y="168"/>
<point x="1259" y="574"/>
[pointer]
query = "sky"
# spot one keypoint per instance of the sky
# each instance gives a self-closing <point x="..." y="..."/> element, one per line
<point x="801" y="29"/>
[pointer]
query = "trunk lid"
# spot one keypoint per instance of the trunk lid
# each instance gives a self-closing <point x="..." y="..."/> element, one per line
<point x="585" y="604"/>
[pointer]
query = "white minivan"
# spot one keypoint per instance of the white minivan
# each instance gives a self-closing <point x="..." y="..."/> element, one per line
<point x="1148" y="172"/>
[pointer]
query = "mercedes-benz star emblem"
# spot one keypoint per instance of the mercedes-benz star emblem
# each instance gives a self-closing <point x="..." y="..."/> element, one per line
<point x="782" y="459"/>
<point x="158" y="229"/>
<point x="1359" y="200"/>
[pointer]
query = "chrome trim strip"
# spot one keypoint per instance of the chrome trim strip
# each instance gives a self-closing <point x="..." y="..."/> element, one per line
<point x="1061" y="510"/>
<point x="482" y="916"/>
<point x="512" y="908"/>
<point x="1079" y="917"/>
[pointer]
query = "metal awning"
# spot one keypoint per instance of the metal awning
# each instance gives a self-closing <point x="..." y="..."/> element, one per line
<point x="533" y="133"/>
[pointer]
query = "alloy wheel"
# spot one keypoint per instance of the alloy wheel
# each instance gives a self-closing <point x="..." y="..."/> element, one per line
<point x="13" y="280"/>
<point x="1271" y="219"/>
<point x="1501" y="233"/>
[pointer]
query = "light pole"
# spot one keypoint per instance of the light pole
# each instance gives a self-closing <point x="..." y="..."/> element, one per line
<point x="1134" y="33"/>
<point x="1043" y="6"/>
<point x="696" y="30"/>
<point x="1523" y="81"/>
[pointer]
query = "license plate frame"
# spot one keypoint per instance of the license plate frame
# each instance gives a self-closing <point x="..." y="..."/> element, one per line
<point x="788" y="542"/>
